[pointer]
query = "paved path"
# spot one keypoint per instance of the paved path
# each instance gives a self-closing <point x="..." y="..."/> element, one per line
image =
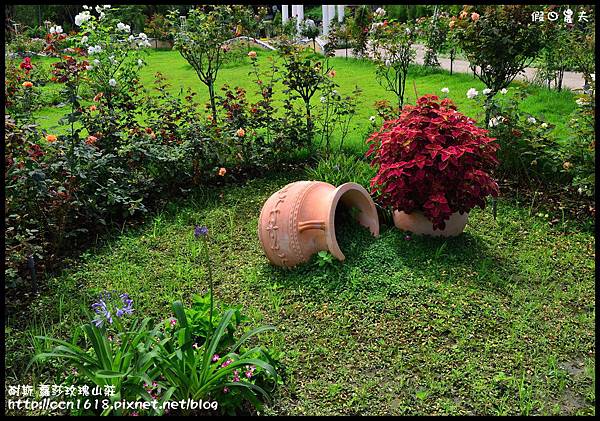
<point x="571" y="80"/>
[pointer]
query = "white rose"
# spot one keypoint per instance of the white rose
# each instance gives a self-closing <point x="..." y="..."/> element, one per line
<point x="82" y="17"/>
<point x="59" y="30"/>
<point x="544" y="125"/>
<point x="85" y="7"/>
<point x="472" y="93"/>
<point x="140" y="62"/>
<point x="445" y="90"/>
<point x="493" y="122"/>
<point x="112" y="82"/>
<point x="52" y="30"/>
<point x="531" y="120"/>
<point x="503" y="91"/>
<point x="486" y="91"/>
<point x="124" y="28"/>
<point x="323" y="99"/>
<point x="98" y="9"/>
<point x="84" y="39"/>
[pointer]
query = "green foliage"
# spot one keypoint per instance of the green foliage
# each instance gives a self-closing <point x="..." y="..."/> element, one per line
<point x="201" y="40"/>
<point x="435" y="29"/>
<point x="528" y="150"/>
<point x="391" y="44"/>
<point x="178" y="357"/>
<point x="324" y="258"/>
<point x="339" y="168"/>
<point x="303" y="75"/>
<point x="196" y="372"/>
<point x="499" y="41"/>
<point x="579" y="155"/>
<point x="556" y="55"/>
<point x="24" y="44"/>
<point x="359" y="25"/>
<point x="158" y="27"/>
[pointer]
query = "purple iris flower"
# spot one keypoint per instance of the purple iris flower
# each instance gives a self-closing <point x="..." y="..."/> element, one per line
<point x="200" y="231"/>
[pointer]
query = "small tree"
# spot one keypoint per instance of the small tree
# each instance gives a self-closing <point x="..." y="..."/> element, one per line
<point x="302" y="76"/>
<point x="583" y="47"/>
<point x="200" y="42"/>
<point x="499" y="43"/>
<point x="157" y="27"/>
<point x="310" y="31"/>
<point x="360" y="23"/>
<point x="435" y="29"/>
<point x="391" y="44"/>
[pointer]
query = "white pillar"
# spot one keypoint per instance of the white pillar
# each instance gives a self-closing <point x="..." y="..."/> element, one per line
<point x="284" y="13"/>
<point x="300" y="9"/>
<point x="331" y="12"/>
<point x="294" y="11"/>
<point x="340" y="13"/>
<point x="325" y="10"/>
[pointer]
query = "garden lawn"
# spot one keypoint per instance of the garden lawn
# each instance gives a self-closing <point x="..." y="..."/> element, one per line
<point x="551" y="106"/>
<point x="497" y="321"/>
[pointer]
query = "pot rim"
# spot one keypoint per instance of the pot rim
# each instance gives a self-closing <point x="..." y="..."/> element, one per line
<point x="367" y="203"/>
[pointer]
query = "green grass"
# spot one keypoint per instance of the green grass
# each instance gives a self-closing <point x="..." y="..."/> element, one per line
<point x="497" y="321"/>
<point x="550" y="106"/>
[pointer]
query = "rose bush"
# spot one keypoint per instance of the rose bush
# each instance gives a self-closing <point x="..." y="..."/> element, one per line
<point x="433" y="159"/>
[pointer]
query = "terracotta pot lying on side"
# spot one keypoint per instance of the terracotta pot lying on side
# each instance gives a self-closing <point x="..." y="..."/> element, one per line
<point x="418" y="224"/>
<point x="299" y="220"/>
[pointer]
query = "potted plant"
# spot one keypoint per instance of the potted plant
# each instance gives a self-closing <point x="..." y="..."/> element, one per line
<point x="434" y="165"/>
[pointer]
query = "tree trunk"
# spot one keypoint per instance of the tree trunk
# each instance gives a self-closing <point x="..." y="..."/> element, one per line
<point x="213" y="105"/>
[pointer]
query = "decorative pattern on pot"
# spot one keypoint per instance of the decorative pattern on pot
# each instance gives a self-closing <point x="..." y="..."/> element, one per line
<point x="299" y="220"/>
<point x="417" y="223"/>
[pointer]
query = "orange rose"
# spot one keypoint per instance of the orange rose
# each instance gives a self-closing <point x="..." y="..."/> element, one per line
<point x="27" y="84"/>
<point x="222" y="171"/>
<point x="331" y="73"/>
<point x="91" y="140"/>
<point x="474" y="16"/>
<point x="240" y="132"/>
<point x="567" y="165"/>
<point x="252" y="54"/>
<point x="51" y="138"/>
<point x="98" y="96"/>
<point x="93" y="108"/>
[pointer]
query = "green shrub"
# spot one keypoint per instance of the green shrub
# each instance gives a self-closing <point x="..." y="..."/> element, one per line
<point x="528" y="150"/>
<point x="579" y="155"/>
<point x="340" y="168"/>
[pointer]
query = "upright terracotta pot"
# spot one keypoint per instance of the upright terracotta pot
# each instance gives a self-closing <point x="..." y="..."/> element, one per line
<point x="417" y="223"/>
<point x="299" y="220"/>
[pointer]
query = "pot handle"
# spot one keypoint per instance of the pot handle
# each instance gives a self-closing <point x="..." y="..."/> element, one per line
<point x="311" y="225"/>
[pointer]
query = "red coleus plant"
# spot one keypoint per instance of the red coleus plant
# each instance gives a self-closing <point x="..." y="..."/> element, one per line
<point x="433" y="159"/>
